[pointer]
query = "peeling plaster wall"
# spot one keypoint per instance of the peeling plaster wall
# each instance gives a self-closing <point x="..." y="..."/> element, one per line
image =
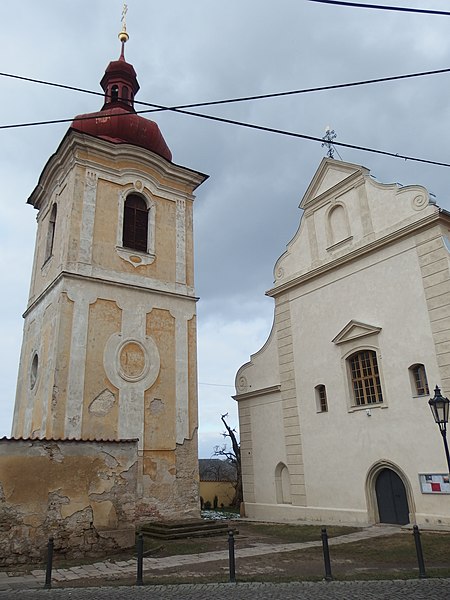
<point x="81" y="493"/>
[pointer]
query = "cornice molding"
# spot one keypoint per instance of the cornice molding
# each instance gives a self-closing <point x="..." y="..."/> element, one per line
<point x="256" y="393"/>
<point x="66" y="156"/>
<point x="104" y="281"/>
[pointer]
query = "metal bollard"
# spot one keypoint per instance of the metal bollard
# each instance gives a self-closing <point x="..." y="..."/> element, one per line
<point x="232" y="562"/>
<point x="326" y="555"/>
<point x="140" y="559"/>
<point x="416" y="534"/>
<point x="48" y="572"/>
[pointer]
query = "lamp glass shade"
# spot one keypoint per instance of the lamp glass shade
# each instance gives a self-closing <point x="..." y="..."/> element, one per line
<point x="439" y="407"/>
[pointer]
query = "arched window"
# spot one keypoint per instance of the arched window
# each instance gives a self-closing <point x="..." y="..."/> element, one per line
<point x="283" y="484"/>
<point x="338" y="225"/>
<point x="321" y="398"/>
<point x="34" y="371"/>
<point x="125" y="93"/>
<point x="418" y="377"/>
<point x="135" y="223"/>
<point x="114" y="93"/>
<point x="365" y="378"/>
<point x="51" y="233"/>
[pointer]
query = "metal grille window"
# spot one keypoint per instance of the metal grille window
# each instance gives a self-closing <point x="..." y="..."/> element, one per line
<point x="420" y="380"/>
<point x="135" y="223"/>
<point x="365" y="378"/>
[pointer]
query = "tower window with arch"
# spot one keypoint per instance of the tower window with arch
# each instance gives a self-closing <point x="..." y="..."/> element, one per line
<point x="365" y="378"/>
<point x="114" y="93"/>
<point x="51" y="233"/>
<point x="135" y="223"/>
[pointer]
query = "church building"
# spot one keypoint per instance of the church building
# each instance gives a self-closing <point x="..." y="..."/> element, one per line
<point x="334" y="418"/>
<point x="109" y="341"/>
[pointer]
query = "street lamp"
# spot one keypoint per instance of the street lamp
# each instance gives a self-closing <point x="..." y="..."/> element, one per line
<point x="439" y="407"/>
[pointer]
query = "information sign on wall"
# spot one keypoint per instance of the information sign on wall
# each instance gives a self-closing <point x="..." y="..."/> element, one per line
<point x="434" y="483"/>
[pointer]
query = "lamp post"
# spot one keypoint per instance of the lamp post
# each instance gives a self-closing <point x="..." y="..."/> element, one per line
<point x="439" y="407"/>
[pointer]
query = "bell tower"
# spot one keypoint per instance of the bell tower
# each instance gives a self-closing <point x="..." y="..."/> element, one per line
<point x="109" y="341"/>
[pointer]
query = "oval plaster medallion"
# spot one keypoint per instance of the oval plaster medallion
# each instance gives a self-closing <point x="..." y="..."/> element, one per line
<point x="242" y="384"/>
<point x="133" y="361"/>
<point x="138" y="184"/>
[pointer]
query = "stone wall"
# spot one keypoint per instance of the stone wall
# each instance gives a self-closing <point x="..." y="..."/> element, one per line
<point x="83" y="493"/>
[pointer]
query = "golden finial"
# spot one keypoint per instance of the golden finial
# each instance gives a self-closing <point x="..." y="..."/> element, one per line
<point x="123" y="35"/>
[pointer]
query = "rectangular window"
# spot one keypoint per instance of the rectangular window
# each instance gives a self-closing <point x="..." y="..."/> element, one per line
<point x="365" y="378"/>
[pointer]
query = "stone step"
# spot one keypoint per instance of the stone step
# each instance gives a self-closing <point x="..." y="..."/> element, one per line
<point x="171" y="530"/>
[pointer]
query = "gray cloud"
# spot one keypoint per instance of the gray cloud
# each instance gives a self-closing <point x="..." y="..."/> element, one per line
<point x="248" y="210"/>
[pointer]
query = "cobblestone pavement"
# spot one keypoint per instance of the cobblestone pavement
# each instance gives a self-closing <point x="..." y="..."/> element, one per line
<point x="427" y="589"/>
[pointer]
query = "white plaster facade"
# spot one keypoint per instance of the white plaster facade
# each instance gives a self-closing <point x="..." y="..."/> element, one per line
<point x="368" y="270"/>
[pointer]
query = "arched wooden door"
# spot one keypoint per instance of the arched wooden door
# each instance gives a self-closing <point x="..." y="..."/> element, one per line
<point x="391" y="498"/>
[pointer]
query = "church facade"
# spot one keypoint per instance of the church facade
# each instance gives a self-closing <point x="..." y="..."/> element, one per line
<point x="109" y="343"/>
<point x="334" y="418"/>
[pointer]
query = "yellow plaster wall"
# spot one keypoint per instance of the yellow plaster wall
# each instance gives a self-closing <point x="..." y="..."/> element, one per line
<point x="76" y="214"/>
<point x="160" y="401"/>
<point x="43" y="342"/>
<point x="224" y="491"/>
<point x="71" y="490"/>
<point x="105" y="235"/>
<point x="55" y="424"/>
<point x="189" y="244"/>
<point x="192" y="374"/>
<point x="104" y="320"/>
<point x="68" y="197"/>
<point x="165" y="240"/>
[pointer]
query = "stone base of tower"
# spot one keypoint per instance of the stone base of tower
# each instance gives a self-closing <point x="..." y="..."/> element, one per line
<point x="169" y="488"/>
<point x="81" y="493"/>
<point x="89" y="495"/>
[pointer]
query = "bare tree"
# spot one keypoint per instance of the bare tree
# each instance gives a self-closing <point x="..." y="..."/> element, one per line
<point x="233" y="456"/>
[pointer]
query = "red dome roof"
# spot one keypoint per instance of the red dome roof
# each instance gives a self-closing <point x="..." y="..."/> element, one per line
<point x="117" y="121"/>
<point x="120" y="125"/>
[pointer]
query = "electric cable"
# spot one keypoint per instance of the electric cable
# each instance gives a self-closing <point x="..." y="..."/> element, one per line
<point x="231" y="122"/>
<point x="425" y="11"/>
<point x="322" y="88"/>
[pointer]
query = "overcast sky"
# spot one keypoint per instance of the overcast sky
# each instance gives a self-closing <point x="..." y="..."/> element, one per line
<point x="245" y="214"/>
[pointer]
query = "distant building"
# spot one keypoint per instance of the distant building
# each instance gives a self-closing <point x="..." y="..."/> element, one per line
<point x="217" y="480"/>
<point x="334" y="419"/>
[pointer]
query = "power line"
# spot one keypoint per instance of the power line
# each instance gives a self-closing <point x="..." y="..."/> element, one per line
<point x="250" y="126"/>
<point x="237" y="123"/>
<point x="425" y="11"/>
<point x="242" y="98"/>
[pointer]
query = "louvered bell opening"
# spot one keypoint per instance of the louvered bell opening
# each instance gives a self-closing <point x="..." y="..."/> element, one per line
<point x="135" y="223"/>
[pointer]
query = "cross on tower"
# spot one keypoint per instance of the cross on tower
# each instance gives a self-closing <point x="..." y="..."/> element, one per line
<point x="328" y="138"/>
